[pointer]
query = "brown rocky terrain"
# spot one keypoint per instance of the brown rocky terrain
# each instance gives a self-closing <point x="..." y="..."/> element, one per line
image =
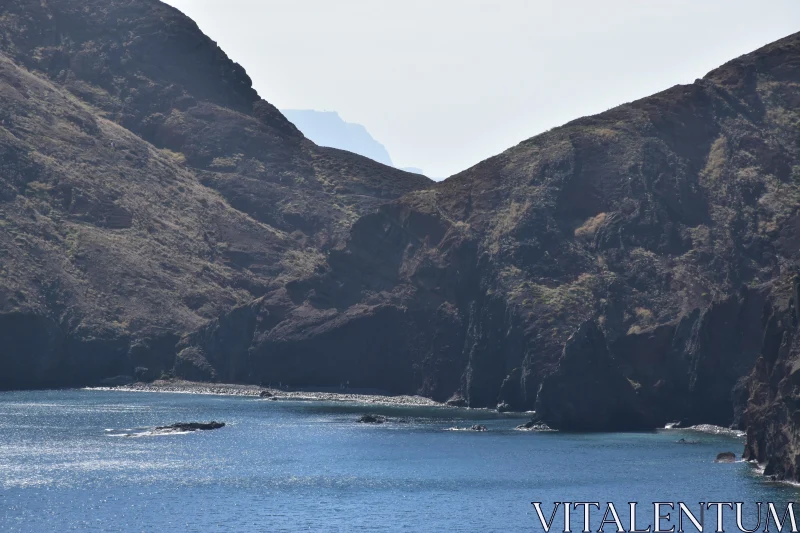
<point x="146" y="188"/>
<point x="623" y="271"/>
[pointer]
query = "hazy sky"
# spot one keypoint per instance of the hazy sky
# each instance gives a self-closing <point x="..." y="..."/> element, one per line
<point x="446" y="83"/>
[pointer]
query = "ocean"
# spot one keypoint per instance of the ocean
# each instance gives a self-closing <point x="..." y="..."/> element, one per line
<point x="85" y="460"/>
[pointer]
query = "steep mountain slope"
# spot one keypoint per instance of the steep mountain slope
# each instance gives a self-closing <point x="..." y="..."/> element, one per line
<point x="668" y="222"/>
<point x="145" y="188"/>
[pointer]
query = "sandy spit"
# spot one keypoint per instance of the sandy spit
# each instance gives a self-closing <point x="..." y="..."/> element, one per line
<point x="193" y="387"/>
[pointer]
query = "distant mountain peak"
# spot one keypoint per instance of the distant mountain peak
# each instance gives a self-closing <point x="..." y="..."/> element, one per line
<point x="413" y="170"/>
<point x="327" y="128"/>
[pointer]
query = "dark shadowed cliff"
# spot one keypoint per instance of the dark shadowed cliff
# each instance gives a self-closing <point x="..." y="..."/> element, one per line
<point x="145" y="188"/>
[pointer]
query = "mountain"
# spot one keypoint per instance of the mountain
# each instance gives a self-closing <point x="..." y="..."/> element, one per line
<point x="326" y="128"/>
<point x="654" y="243"/>
<point x="622" y="271"/>
<point x="146" y="188"/>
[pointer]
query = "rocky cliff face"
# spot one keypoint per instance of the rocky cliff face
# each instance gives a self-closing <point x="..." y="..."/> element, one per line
<point x="588" y="390"/>
<point x="158" y="216"/>
<point x="772" y="416"/>
<point x="146" y="188"/>
<point x="669" y="222"/>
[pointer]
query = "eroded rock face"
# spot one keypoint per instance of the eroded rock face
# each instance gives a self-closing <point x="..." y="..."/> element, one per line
<point x="145" y="189"/>
<point x="772" y="416"/>
<point x="472" y="288"/>
<point x="692" y="369"/>
<point x="588" y="391"/>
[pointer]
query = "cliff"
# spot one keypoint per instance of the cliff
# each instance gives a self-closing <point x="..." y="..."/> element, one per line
<point x="146" y="188"/>
<point x="667" y="222"/>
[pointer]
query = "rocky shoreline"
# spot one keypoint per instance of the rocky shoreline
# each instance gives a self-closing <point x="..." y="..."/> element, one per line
<point x="226" y="389"/>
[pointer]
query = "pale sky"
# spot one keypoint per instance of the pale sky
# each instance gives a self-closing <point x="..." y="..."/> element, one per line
<point x="444" y="84"/>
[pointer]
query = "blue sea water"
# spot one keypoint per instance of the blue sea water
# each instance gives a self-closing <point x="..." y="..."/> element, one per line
<point x="309" y="466"/>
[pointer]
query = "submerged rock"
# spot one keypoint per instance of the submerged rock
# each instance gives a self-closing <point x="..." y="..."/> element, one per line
<point x="192" y="426"/>
<point x="372" y="419"/>
<point x="725" y="457"/>
<point x="479" y="427"/>
<point x="684" y="441"/>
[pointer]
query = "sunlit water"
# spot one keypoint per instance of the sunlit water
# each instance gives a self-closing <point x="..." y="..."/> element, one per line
<point x="309" y="466"/>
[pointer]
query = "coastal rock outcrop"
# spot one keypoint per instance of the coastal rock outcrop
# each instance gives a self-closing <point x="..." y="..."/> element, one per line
<point x="456" y="401"/>
<point x="588" y="391"/>
<point x="190" y="426"/>
<point x="503" y="407"/>
<point x="772" y="416"/>
<point x="725" y="457"/>
<point x="534" y="425"/>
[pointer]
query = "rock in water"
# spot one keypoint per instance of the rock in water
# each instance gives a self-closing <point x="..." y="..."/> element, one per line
<point x="456" y="400"/>
<point x="534" y="425"/>
<point x="725" y="457"/>
<point x="587" y="391"/>
<point x="503" y="407"/>
<point x="265" y="394"/>
<point x="479" y="427"/>
<point x="372" y="419"/>
<point x="191" y="426"/>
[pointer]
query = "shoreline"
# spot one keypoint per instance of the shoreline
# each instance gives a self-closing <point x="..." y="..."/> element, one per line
<point x="360" y="396"/>
<point x="254" y="391"/>
<point x="709" y="429"/>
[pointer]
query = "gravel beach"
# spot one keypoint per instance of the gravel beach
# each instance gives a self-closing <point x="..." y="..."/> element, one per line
<point x="193" y="387"/>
